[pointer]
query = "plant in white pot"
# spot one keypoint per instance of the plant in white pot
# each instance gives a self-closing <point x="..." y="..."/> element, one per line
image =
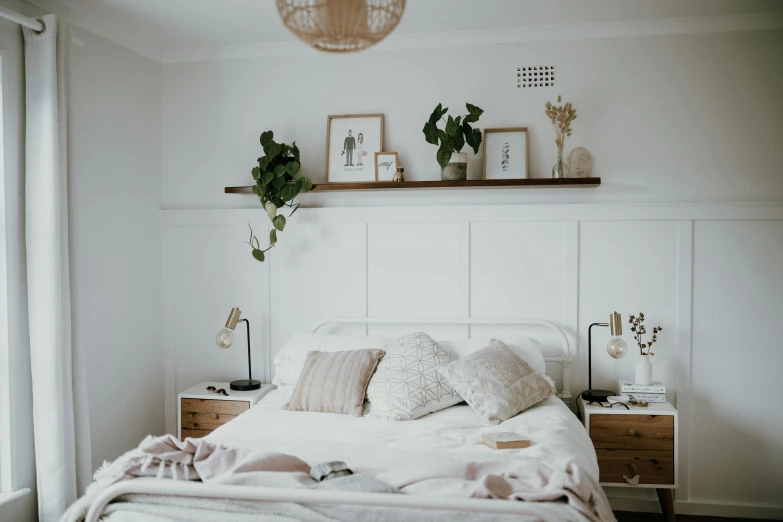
<point x="450" y="140"/>
<point x="644" y="368"/>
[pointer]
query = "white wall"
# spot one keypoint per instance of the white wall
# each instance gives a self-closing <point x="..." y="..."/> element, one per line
<point x="678" y="126"/>
<point x="114" y="188"/>
<point x="687" y="118"/>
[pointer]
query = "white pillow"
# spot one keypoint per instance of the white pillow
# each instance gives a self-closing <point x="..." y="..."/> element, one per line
<point x="290" y="360"/>
<point x="528" y="350"/>
<point x="406" y="384"/>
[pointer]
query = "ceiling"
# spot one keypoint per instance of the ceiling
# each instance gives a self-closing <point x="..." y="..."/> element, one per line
<point x="156" y="28"/>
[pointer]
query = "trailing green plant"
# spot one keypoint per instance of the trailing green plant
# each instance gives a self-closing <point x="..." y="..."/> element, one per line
<point x="276" y="186"/>
<point x="456" y="133"/>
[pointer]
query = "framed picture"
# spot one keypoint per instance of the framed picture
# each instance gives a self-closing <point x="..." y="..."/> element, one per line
<point x="386" y="164"/>
<point x="351" y="143"/>
<point x="506" y="153"/>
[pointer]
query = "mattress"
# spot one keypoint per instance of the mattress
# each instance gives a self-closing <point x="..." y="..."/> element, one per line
<point x="371" y="445"/>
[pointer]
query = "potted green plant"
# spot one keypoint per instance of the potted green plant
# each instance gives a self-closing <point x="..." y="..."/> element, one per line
<point x="276" y="186"/>
<point x="450" y="140"/>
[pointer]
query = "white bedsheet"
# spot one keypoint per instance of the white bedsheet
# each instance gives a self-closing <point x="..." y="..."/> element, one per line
<point x="372" y="445"/>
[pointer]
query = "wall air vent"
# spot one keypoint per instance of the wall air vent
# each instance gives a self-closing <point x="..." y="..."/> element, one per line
<point x="533" y="76"/>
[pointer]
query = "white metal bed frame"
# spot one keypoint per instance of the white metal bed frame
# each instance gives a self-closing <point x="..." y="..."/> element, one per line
<point x="150" y="486"/>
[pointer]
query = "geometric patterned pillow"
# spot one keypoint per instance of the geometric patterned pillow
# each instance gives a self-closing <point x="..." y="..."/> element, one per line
<point x="406" y="385"/>
<point x="496" y="382"/>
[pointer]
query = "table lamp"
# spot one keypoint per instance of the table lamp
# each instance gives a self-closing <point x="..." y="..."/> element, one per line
<point x="225" y="338"/>
<point x="616" y="348"/>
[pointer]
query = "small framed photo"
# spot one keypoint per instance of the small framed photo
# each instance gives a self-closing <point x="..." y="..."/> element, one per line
<point x="351" y="143"/>
<point x="386" y="164"/>
<point x="506" y="153"/>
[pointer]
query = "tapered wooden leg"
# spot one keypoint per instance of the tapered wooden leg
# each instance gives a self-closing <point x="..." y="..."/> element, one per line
<point x="667" y="503"/>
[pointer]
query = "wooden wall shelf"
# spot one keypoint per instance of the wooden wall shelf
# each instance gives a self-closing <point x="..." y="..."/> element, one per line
<point x="471" y="183"/>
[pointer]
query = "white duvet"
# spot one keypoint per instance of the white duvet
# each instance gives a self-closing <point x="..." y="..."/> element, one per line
<point x="371" y="445"/>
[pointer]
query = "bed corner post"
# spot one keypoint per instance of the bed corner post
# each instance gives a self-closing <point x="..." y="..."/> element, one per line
<point x="566" y="361"/>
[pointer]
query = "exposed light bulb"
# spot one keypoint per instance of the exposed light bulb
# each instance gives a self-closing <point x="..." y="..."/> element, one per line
<point x="616" y="347"/>
<point x="224" y="338"/>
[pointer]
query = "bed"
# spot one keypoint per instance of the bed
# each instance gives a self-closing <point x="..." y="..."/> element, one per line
<point x="373" y="447"/>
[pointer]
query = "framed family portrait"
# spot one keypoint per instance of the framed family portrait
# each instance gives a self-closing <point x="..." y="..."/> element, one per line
<point x="506" y="153"/>
<point x="386" y="164"/>
<point x="351" y="143"/>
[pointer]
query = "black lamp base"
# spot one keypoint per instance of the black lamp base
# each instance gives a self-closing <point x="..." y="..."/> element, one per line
<point x="597" y="395"/>
<point x="245" y="385"/>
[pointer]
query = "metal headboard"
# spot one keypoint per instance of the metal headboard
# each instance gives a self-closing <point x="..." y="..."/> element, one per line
<point x="564" y="360"/>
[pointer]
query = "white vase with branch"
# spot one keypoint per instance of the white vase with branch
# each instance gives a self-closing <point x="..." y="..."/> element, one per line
<point x="643" y="374"/>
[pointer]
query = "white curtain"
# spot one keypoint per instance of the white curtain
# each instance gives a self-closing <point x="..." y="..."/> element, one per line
<point x="60" y="418"/>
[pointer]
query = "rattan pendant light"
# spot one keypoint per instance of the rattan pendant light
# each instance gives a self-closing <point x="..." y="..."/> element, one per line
<point x="341" y="26"/>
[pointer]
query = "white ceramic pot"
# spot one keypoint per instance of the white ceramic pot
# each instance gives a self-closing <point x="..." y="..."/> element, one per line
<point x="644" y="371"/>
<point x="457" y="169"/>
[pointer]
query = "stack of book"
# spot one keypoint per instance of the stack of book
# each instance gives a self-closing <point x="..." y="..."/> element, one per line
<point x="653" y="392"/>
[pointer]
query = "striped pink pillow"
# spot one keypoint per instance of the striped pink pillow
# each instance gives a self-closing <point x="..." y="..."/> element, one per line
<point x="335" y="382"/>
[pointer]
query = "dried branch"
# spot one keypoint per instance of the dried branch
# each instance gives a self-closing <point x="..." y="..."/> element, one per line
<point x="639" y="330"/>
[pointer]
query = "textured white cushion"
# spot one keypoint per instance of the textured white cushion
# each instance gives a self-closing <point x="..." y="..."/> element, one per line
<point x="496" y="383"/>
<point x="335" y="382"/>
<point x="406" y="385"/>
<point x="528" y="350"/>
<point x="290" y="360"/>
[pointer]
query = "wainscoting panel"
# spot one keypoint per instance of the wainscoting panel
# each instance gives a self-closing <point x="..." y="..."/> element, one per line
<point x="737" y="419"/>
<point x="414" y="270"/>
<point x="630" y="267"/>
<point x="210" y="270"/>
<point x="318" y="271"/>
<point x="517" y="270"/>
<point x="711" y="275"/>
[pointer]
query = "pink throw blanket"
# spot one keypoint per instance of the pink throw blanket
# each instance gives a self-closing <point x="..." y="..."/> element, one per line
<point x="197" y="459"/>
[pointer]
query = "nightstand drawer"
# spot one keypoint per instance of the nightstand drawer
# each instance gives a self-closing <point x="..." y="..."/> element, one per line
<point x="192" y="420"/>
<point x="213" y="406"/>
<point x="652" y="466"/>
<point x="651" y="432"/>
<point x="194" y="434"/>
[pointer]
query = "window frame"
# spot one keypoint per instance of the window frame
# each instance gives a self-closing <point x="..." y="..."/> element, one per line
<point x="8" y="479"/>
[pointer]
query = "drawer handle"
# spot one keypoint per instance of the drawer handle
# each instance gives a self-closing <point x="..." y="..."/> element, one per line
<point x="195" y="424"/>
<point x="634" y="481"/>
<point x="214" y="416"/>
<point x="191" y="415"/>
<point x="632" y="432"/>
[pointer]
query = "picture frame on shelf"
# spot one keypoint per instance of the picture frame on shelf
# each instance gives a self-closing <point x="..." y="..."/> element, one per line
<point x="506" y="153"/>
<point x="351" y="143"/>
<point x="386" y="164"/>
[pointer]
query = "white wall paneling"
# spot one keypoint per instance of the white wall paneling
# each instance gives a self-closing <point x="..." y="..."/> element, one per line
<point x="736" y="362"/>
<point x="318" y="269"/>
<point x="570" y="264"/>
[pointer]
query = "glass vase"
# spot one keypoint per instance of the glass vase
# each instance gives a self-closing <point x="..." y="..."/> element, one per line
<point x="560" y="169"/>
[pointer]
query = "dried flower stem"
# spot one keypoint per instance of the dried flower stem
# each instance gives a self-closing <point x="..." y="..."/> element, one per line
<point x="561" y="117"/>
<point x="638" y="329"/>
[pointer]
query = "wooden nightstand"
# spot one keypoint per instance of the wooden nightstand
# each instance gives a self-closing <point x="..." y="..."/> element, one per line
<point x="636" y="448"/>
<point x="199" y="412"/>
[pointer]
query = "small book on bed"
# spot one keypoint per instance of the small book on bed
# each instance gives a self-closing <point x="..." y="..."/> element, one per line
<point x="504" y="440"/>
